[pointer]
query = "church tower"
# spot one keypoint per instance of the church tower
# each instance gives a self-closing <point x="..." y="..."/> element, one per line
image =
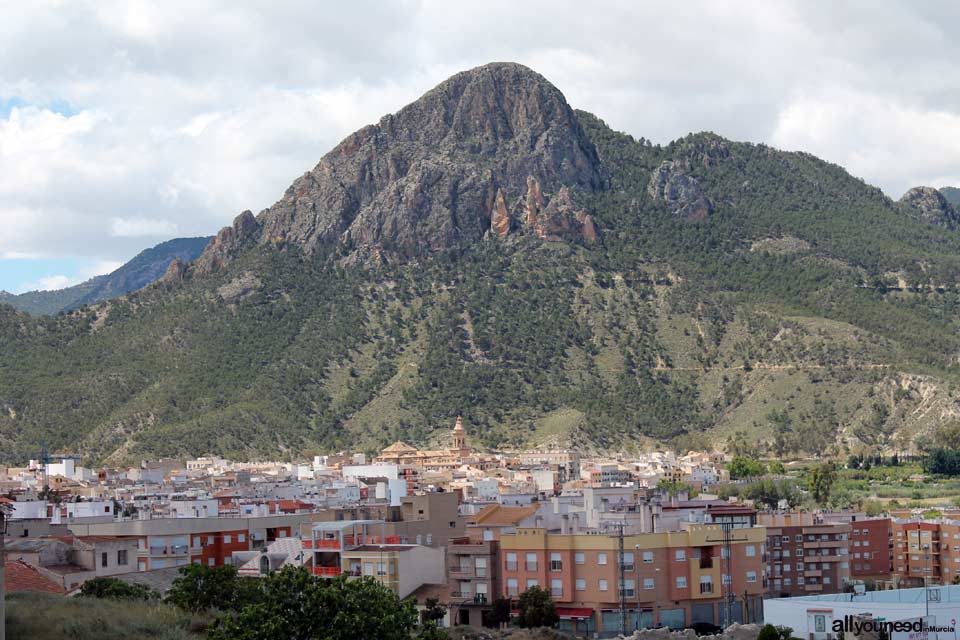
<point x="459" y="437"/>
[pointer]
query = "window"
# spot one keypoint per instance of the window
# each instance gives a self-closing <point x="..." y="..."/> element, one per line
<point x="826" y="579"/>
<point x="511" y="561"/>
<point x="381" y="568"/>
<point x="531" y="562"/>
<point x="122" y="557"/>
<point x="480" y="566"/>
<point x="581" y="584"/>
<point x="799" y="538"/>
<point x="706" y="584"/>
<point x="751" y="576"/>
<point x="799" y="566"/>
<point x="787" y="582"/>
<point x="800" y="580"/>
<point x="866" y="543"/>
<point x="647" y="584"/>
<point x="513" y="588"/>
<point x="786" y="538"/>
<point x="209" y="539"/>
<point x="856" y="532"/>
<point x="532" y="582"/>
<point x="419" y="538"/>
<point x="680" y="555"/>
<point x="578" y="557"/>
<point x="241" y="537"/>
<point x="429" y="539"/>
<point x="103" y="559"/>
<point x="726" y="578"/>
<point x="786" y="553"/>
<point x="751" y="551"/>
<point x="628" y="561"/>
<point x="681" y="582"/>
<point x="556" y="564"/>
<point x="556" y="588"/>
<point x="211" y="562"/>
<point x="724" y="553"/>
<point x="602" y="585"/>
<point x="648" y="557"/>
<point x="227" y="539"/>
<point x="601" y="558"/>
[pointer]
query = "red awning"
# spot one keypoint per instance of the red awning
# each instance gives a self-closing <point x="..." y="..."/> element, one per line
<point x="574" y="612"/>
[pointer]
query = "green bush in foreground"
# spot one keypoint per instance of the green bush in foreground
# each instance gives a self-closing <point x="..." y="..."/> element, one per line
<point x="117" y="589"/>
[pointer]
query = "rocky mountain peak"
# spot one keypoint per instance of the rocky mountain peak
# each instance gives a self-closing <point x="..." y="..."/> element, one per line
<point x="931" y="207"/>
<point x="482" y="153"/>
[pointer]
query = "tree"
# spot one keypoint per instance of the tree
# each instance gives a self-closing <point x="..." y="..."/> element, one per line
<point x="537" y="609"/>
<point x="822" y="479"/>
<point x="742" y="467"/>
<point x="294" y="605"/>
<point x="771" y="632"/>
<point x="117" y="589"/>
<point x="200" y="588"/>
<point x="500" y="612"/>
<point x="433" y="610"/>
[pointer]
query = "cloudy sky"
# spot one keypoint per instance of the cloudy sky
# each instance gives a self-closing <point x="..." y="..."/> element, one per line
<point x="123" y="124"/>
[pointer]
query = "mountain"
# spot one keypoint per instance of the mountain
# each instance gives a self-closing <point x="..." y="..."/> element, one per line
<point x="489" y="251"/>
<point x="952" y="194"/>
<point x="930" y="206"/>
<point x="145" y="268"/>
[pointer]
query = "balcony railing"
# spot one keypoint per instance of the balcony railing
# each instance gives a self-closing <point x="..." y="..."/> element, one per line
<point x="328" y="544"/>
<point x="327" y="571"/>
<point x="460" y="571"/>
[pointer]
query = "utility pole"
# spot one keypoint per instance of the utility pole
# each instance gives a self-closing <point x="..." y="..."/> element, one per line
<point x="726" y="587"/>
<point x="623" y="582"/>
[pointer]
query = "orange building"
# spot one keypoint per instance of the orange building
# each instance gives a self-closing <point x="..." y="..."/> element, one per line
<point x="925" y="550"/>
<point x="673" y="579"/>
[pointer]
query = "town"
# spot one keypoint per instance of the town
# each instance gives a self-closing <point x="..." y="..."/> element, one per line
<point x="620" y="542"/>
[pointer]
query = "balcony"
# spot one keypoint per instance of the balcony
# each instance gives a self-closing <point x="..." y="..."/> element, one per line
<point x="457" y="571"/>
<point x="825" y="544"/>
<point x="327" y="572"/>
<point x="813" y="587"/>
<point x="812" y="573"/>
<point x="327" y="545"/>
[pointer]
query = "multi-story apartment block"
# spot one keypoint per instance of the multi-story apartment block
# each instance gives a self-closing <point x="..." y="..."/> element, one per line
<point x="473" y="568"/>
<point x="925" y="551"/>
<point x="360" y="548"/>
<point x="806" y="556"/>
<point x="171" y="542"/>
<point x="871" y="549"/>
<point x="673" y="579"/>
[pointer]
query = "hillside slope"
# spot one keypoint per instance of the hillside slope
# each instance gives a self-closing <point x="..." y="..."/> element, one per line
<point x="145" y="268"/>
<point x="488" y="251"/>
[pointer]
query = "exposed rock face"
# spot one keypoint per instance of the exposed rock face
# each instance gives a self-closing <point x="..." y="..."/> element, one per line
<point x="931" y="207"/>
<point x="672" y="183"/>
<point x="228" y="242"/>
<point x="499" y="218"/>
<point x="441" y="172"/>
<point x="174" y="272"/>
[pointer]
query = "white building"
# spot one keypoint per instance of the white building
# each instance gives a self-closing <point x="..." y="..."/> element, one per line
<point x="814" y="617"/>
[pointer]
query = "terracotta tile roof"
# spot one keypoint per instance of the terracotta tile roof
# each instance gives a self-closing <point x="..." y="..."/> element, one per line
<point x="497" y="514"/>
<point x="20" y="576"/>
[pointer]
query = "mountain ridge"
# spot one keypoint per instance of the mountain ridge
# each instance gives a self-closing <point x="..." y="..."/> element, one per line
<point x="141" y="270"/>
<point x="728" y="293"/>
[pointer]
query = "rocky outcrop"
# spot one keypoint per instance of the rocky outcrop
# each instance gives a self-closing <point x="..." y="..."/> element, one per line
<point x="244" y="232"/>
<point x="673" y="184"/>
<point x="561" y="220"/>
<point x="499" y="218"/>
<point x="174" y="272"/>
<point x="442" y="172"/>
<point x="930" y="206"/>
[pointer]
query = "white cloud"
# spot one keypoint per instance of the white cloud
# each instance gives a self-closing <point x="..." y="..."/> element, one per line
<point x="186" y="113"/>
<point x="141" y="227"/>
